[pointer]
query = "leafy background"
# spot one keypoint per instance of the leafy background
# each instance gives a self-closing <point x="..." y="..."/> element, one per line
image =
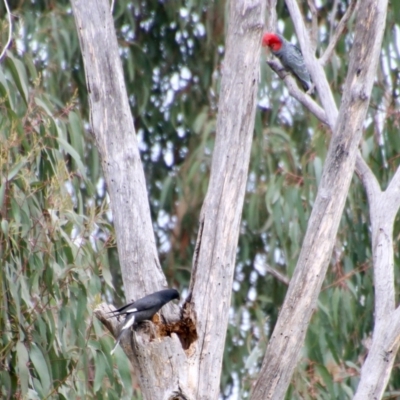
<point x="57" y="241"/>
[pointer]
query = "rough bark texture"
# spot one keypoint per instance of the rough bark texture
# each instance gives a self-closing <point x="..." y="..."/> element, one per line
<point x="214" y="261"/>
<point x="177" y="360"/>
<point x="287" y="339"/>
<point x="112" y="126"/>
<point x="376" y="369"/>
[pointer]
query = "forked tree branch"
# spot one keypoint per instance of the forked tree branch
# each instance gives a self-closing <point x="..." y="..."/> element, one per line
<point x="383" y="208"/>
<point x="172" y="366"/>
<point x="288" y="336"/>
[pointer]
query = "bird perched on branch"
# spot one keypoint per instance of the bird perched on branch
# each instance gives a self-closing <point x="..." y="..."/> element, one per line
<point x="290" y="57"/>
<point x="143" y="309"/>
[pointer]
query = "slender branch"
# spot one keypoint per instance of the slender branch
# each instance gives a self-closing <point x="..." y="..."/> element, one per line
<point x="297" y="93"/>
<point x="9" y="30"/>
<point x="338" y="32"/>
<point x="314" y="67"/>
<point x="332" y="18"/>
<point x="276" y="274"/>
<point x="289" y="332"/>
<point x="393" y="190"/>
<point x="319" y="77"/>
<point x="394" y="326"/>
<point x="272" y="17"/>
<point x="368" y="179"/>
<point x="381" y="355"/>
<point x="314" y="23"/>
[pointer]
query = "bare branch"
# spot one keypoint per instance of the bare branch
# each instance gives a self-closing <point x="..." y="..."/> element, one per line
<point x="394" y="327"/>
<point x="381" y="355"/>
<point x="272" y="18"/>
<point x="276" y="274"/>
<point x="317" y="73"/>
<point x="314" y="23"/>
<point x="367" y="178"/>
<point x="287" y="338"/>
<point x="332" y="18"/>
<point x="297" y="93"/>
<point x="338" y="32"/>
<point x="393" y="190"/>
<point x="9" y="30"/>
<point x="319" y="78"/>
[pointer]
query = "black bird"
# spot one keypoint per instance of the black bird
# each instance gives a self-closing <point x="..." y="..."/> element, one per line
<point x="143" y="309"/>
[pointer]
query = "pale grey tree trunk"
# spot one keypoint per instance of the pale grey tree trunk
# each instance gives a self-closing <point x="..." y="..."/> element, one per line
<point x="289" y="333"/>
<point x="214" y="260"/>
<point x="167" y="369"/>
<point x="384" y="207"/>
<point x="112" y="127"/>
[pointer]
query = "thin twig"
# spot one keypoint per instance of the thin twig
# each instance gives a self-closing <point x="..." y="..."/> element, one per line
<point x="276" y="274"/>
<point x="332" y="18"/>
<point x="338" y="32"/>
<point x="9" y="30"/>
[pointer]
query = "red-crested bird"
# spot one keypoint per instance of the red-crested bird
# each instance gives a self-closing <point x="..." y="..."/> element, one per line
<point x="290" y="57"/>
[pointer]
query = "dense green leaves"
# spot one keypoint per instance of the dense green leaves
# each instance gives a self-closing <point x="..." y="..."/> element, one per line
<point x="54" y="245"/>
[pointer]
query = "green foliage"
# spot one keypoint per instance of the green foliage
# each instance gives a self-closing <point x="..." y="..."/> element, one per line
<point x="54" y="242"/>
<point x="57" y="244"/>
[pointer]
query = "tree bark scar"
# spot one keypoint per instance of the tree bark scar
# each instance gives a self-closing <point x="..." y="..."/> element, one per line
<point x="363" y="95"/>
<point x="340" y="153"/>
<point x="95" y="92"/>
<point x="196" y="254"/>
<point x="198" y="245"/>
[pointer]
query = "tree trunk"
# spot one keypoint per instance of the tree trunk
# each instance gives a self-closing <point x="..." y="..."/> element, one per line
<point x="378" y="365"/>
<point x="188" y="366"/>
<point x="214" y="260"/>
<point x="288" y="336"/>
<point x="112" y="127"/>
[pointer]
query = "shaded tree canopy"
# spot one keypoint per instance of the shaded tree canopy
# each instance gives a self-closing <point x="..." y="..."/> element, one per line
<point x="57" y="240"/>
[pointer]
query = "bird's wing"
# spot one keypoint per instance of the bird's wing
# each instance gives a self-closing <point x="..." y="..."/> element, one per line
<point x="145" y="303"/>
<point x="126" y="309"/>
<point x="301" y="71"/>
<point x="148" y="302"/>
